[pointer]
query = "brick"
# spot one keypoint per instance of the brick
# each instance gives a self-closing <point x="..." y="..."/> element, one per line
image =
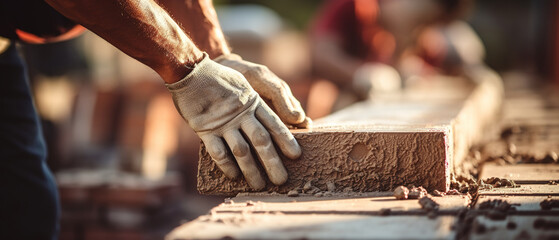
<point x="307" y="226"/>
<point x="418" y="137"/>
<point x="524" y="189"/>
<point x="521" y="203"/>
<point x="522" y="172"/>
<point x="355" y="203"/>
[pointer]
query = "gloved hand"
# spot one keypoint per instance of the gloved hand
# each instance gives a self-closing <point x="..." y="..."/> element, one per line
<point x="375" y="77"/>
<point x="271" y="88"/>
<point x="220" y="105"/>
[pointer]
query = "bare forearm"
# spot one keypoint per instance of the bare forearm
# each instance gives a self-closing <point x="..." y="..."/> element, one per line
<point x="139" y="28"/>
<point x="199" y="19"/>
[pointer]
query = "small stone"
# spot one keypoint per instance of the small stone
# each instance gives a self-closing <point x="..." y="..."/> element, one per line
<point x="511" y="225"/>
<point x="548" y="204"/>
<point x="293" y="193"/>
<point x="453" y="192"/>
<point x="327" y="194"/>
<point x="428" y="203"/>
<point x="401" y="193"/>
<point x="318" y="194"/>
<point x="331" y="186"/>
<point x="492" y="180"/>
<point x="464" y="188"/>
<point x="477" y="155"/>
<point x="438" y="193"/>
<point x="308" y="186"/>
<point x="454" y="184"/>
<point x="250" y="203"/>
<point x="313" y="190"/>
<point x="546" y="224"/>
<point x="384" y="211"/>
<point x="417" y="193"/>
<point x="539" y="223"/>
<point x="498" y="204"/>
<point x="550" y="157"/>
<point x="510" y="159"/>
<point x="500" y="182"/>
<point x="500" y="161"/>
<point x="496" y="215"/>
<point x="554" y="156"/>
<point x="512" y="148"/>
<point x="508" y="183"/>
<point x="484" y="186"/>
<point x="432" y="214"/>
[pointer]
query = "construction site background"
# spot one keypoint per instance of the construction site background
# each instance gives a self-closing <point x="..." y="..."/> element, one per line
<point x="125" y="161"/>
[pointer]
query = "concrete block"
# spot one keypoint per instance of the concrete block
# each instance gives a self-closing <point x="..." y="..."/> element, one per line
<point x="338" y="203"/>
<point x="522" y="203"/>
<point x="308" y="226"/>
<point x="522" y="173"/>
<point x="524" y="189"/>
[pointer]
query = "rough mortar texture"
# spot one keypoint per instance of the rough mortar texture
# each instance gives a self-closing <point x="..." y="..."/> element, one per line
<point x="364" y="161"/>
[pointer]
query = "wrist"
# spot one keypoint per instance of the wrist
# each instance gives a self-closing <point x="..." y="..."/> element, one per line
<point x="180" y="70"/>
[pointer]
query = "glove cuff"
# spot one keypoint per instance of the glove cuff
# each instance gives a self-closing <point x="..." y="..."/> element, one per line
<point x="211" y="95"/>
<point x="196" y="70"/>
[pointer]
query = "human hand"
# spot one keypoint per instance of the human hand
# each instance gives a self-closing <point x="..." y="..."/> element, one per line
<point x="222" y="108"/>
<point x="271" y="88"/>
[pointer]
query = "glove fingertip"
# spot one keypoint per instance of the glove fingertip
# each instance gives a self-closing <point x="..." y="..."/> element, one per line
<point x="280" y="177"/>
<point x="307" y="123"/>
<point x="257" y="183"/>
<point x="294" y="117"/>
<point x="287" y="114"/>
<point x="232" y="171"/>
<point x="293" y="151"/>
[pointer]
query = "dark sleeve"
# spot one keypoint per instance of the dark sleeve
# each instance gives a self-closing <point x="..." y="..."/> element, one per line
<point x="32" y="16"/>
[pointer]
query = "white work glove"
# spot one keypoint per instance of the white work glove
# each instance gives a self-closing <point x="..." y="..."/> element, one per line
<point x="221" y="106"/>
<point x="271" y="88"/>
<point x="373" y="78"/>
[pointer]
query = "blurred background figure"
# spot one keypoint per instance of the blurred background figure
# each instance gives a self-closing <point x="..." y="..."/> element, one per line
<point x="99" y="109"/>
<point x="374" y="46"/>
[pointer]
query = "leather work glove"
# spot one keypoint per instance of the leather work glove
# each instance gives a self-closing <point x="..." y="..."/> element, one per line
<point x="375" y="78"/>
<point x="271" y="88"/>
<point x="222" y="108"/>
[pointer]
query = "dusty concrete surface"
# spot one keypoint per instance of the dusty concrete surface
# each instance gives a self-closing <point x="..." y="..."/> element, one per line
<point x="279" y="226"/>
<point x="522" y="172"/>
<point x="375" y="215"/>
<point x="368" y="203"/>
<point x="414" y="138"/>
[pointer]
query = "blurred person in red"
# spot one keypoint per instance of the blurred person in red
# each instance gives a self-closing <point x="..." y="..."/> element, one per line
<point x="368" y="46"/>
<point x="218" y="94"/>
